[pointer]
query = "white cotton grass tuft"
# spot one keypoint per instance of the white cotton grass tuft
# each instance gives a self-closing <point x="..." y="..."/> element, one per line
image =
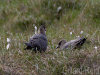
<point x="81" y="32"/>
<point x="7" y="47"/>
<point x="95" y="47"/>
<point x="70" y="33"/>
<point x="77" y="36"/>
<point x="8" y="40"/>
<point x="35" y="28"/>
<point x="59" y="8"/>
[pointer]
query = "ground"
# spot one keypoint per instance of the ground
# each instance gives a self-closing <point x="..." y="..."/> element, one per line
<point x="63" y="19"/>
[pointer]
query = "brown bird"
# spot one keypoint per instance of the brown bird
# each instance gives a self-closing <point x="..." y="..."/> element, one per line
<point x="38" y="42"/>
<point x="63" y="44"/>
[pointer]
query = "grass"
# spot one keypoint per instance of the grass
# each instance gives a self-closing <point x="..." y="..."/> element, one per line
<point x="16" y="22"/>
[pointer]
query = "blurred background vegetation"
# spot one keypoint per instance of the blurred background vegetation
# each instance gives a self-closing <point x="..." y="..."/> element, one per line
<point x="61" y="17"/>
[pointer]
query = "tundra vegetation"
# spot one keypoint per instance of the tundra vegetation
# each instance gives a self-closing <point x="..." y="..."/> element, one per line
<point x="64" y="19"/>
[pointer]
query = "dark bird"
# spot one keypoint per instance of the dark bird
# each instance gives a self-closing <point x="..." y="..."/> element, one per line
<point x="38" y="42"/>
<point x="63" y="44"/>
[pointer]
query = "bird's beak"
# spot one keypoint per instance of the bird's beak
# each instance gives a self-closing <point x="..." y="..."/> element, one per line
<point x="25" y="43"/>
<point x="57" y="47"/>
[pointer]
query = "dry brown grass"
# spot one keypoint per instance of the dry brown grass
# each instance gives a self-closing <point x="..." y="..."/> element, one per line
<point x="16" y="22"/>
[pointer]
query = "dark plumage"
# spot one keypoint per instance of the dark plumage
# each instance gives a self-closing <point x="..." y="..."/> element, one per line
<point x="38" y="42"/>
<point x="63" y="44"/>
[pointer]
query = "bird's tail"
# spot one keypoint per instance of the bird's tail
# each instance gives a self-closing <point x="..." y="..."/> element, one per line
<point x="83" y="36"/>
<point x="82" y="40"/>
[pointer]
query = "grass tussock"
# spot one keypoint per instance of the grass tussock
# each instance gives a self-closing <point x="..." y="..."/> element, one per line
<point x="17" y="20"/>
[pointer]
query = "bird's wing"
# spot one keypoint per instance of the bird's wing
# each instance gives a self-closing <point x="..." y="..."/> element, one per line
<point x="77" y="41"/>
<point x="73" y="43"/>
<point x="39" y="36"/>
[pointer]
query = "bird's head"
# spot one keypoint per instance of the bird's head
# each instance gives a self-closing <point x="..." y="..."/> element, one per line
<point x="42" y="29"/>
<point x="61" y="43"/>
